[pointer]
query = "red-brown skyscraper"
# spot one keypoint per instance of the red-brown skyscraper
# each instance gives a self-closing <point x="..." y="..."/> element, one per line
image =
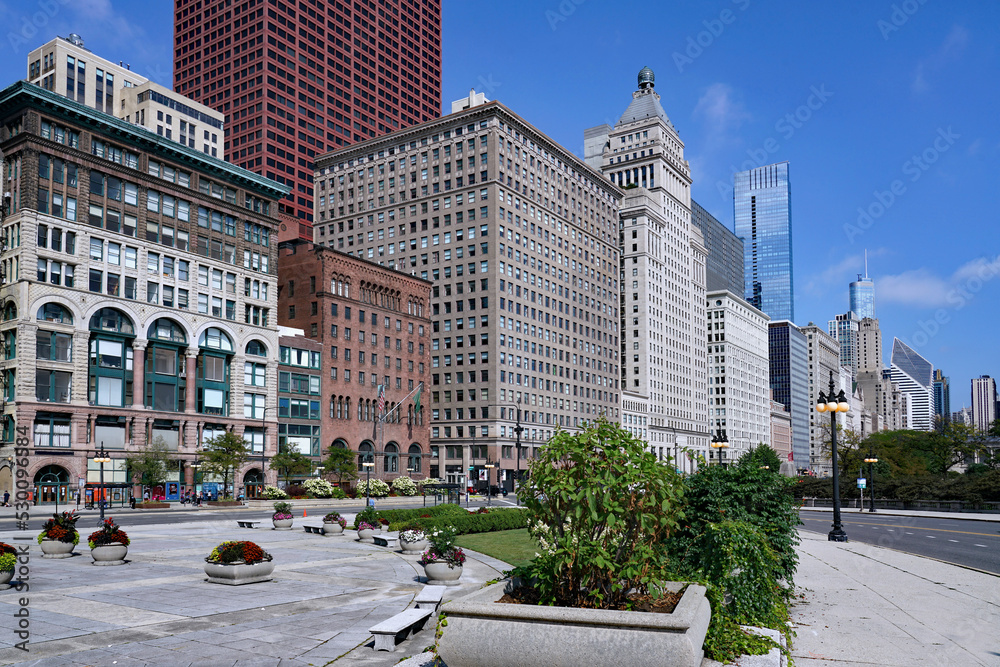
<point x="296" y="81"/>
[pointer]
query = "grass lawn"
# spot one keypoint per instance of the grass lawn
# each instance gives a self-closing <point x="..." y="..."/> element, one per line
<point x="511" y="546"/>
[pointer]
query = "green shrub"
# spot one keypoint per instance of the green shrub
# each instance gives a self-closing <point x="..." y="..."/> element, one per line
<point x="747" y="569"/>
<point x="495" y="520"/>
<point x="404" y="486"/>
<point x="405" y="515"/>
<point x="607" y="506"/>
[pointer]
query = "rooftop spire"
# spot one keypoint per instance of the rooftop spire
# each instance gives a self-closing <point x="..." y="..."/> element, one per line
<point x="646" y="78"/>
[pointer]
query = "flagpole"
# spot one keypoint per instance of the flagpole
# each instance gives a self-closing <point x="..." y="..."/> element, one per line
<point x="402" y="402"/>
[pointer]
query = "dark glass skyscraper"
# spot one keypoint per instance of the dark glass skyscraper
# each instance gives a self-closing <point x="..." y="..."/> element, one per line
<point x="762" y="208"/>
<point x="863" y="295"/>
<point x="788" y="351"/>
<point x="724" y="264"/>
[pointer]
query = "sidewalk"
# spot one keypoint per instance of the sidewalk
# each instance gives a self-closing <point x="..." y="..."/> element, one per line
<point x="158" y="610"/>
<point x="929" y="514"/>
<point x="863" y="605"/>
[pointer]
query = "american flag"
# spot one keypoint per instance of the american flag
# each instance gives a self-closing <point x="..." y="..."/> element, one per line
<point x="381" y="398"/>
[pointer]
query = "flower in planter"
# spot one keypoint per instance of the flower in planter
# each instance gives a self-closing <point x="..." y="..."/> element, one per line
<point x="443" y="549"/>
<point x="8" y="557"/>
<point x="412" y="535"/>
<point x="109" y="533"/>
<point x="383" y="521"/>
<point x="364" y="525"/>
<point x="334" y="517"/>
<point x="233" y="552"/>
<point x="61" y="528"/>
<point x="282" y="511"/>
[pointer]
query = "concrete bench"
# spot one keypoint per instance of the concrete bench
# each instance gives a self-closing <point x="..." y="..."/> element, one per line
<point x="247" y="524"/>
<point x="383" y="541"/>
<point x="399" y="626"/>
<point x="430" y="597"/>
<point x="314" y="529"/>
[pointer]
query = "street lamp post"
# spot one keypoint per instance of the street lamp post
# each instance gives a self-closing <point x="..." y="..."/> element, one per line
<point x="102" y="458"/>
<point x="719" y="443"/>
<point x="368" y="465"/>
<point x="871" y="461"/>
<point x="263" y="447"/>
<point x="489" y="479"/>
<point x="196" y="497"/>
<point x="834" y="403"/>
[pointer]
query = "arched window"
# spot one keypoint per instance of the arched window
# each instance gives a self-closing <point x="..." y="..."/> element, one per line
<point x="9" y="311"/>
<point x="255" y="348"/>
<point x="166" y="384"/>
<point x="339" y="443"/>
<point x="53" y="312"/>
<point x="110" y="364"/>
<point x="213" y="372"/>
<point x="366" y="452"/>
<point x="390" y="460"/>
<point x="414" y="458"/>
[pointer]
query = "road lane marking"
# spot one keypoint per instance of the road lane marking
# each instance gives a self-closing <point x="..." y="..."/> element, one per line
<point x="936" y="530"/>
<point x="930" y="537"/>
<point x="980" y="545"/>
<point x="953" y="541"/>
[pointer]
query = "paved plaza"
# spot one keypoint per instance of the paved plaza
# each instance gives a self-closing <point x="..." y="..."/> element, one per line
<point x="159" y="610"/>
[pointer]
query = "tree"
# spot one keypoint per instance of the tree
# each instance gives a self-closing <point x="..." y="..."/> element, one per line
<point x="761" y="456"/>
<point x="291" y="464"/>
<point x="850" y="451"/>
<point x="224" y="454"/>
<point x="149" y="464"/>
<point x="341" y="463"/>
<point x="994" y="431"/>
<point x="950" y="444"/>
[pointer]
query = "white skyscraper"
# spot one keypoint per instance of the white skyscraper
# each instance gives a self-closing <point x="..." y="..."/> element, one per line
<point x="662" y="271"/>
<point x="984" y="402"/>
<point x="914" y="374"/>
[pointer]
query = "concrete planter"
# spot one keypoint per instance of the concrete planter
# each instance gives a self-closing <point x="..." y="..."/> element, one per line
<point x="56" y="549"/>
<point x="5" y="577"/>
<point x="483" y="633"/>
<point x="239" y="573"/>
<point x="282" y="524"/>
<point x="332" y="528"/>
<point x="440" y="573"/>
<point x="109" y="554"/>
<point x="414" y="548"/>
<point x="366" y="536"/>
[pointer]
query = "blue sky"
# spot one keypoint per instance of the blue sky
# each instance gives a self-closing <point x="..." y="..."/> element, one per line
<point x="886" y="111"/>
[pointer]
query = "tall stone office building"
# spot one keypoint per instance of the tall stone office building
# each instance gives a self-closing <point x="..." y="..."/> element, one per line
<point x="824" y="359"/>
<point x="520" y="240"/>
<point x="138" y="297"/>
<point x="297" y="80"/>
<point x="662" y="269"/>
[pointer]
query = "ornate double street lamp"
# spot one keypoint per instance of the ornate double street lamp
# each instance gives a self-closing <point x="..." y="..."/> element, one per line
<point x="102" y="457"/>
<point x="871" y="461"/>
<point x="834" y="403"/>
<point x="719" y="443"/>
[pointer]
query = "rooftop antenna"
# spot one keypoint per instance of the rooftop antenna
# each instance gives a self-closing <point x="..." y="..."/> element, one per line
<point x="866" y="263"/>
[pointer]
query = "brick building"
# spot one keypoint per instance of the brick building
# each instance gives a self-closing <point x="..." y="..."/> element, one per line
<point x="374" y="326"/>
<point x="296" y="81"/>
<point x="138" y="280"/>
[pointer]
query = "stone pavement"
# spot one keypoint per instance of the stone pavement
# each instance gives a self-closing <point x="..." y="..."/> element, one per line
<point x="158" y="609"/>
<point x="865" y="605"/>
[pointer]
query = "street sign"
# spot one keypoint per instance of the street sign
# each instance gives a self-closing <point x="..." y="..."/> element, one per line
<point x="862" y="482"/>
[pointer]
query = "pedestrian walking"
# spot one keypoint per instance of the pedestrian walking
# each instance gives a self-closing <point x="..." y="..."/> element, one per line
<point x="6" y="498"/>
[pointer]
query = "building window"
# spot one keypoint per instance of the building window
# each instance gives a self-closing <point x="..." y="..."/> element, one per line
<point x="110" y="362"/>
<point x="213" y="372"/>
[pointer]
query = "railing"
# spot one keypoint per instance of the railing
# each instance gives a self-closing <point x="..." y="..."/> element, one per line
<point x="936" y="505"/>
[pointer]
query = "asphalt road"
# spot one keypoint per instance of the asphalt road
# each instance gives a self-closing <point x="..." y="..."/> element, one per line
<point x="962" y="542"/>
<point x="90" y="519"/>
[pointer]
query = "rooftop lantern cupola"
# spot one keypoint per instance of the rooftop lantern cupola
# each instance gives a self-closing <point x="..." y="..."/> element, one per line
<point x="646" y="79"/>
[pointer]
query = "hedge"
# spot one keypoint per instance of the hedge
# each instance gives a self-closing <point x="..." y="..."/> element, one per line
<point x="411" y="515"/>
<point x="498" y="519"/>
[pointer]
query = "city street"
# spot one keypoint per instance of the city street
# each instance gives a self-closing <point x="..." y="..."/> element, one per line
<point x="962" y="542"/>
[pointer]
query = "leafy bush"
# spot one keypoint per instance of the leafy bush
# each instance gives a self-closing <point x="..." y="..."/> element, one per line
<point x="61" y="528"/>
<point x="609" y="507"/>
<point x="318" y="488"/>
<point x="442" y="548"/>
<point x="109" y="533"/>
<point x="375" y="488"/>
<point x="404" y="486"/>
<point x="368" y="515"/>
<point x="502" y="519"/>
<point x="8" y="557"/>
<point x="296" y="491"/>
<point x="747" y="569"/>
<point x="274" y="493"/>
<point x="282" y="511"/>
<point x="231" y="552"/>
<point x="743" y="493"/>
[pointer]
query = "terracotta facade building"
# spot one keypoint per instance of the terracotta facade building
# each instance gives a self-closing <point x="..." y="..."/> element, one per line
<point x="374" y="325"/>
<point x="138" y="281"/>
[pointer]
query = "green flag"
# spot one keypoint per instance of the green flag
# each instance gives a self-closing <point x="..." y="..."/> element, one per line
<point x="416" y="399"/>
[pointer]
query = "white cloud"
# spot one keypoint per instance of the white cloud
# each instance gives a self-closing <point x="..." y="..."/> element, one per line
<point x="924" y="289"/>
<point x="719" y="109"/>
<point x="950" y="50"/>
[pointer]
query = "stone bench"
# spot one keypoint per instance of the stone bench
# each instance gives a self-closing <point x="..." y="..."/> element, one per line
<point x="314" y="529"/>
<point x="430" y="597"/>
<point x="384" y="541"/>
<point x="400" y="626"/>
<point x="247" y="524"/>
